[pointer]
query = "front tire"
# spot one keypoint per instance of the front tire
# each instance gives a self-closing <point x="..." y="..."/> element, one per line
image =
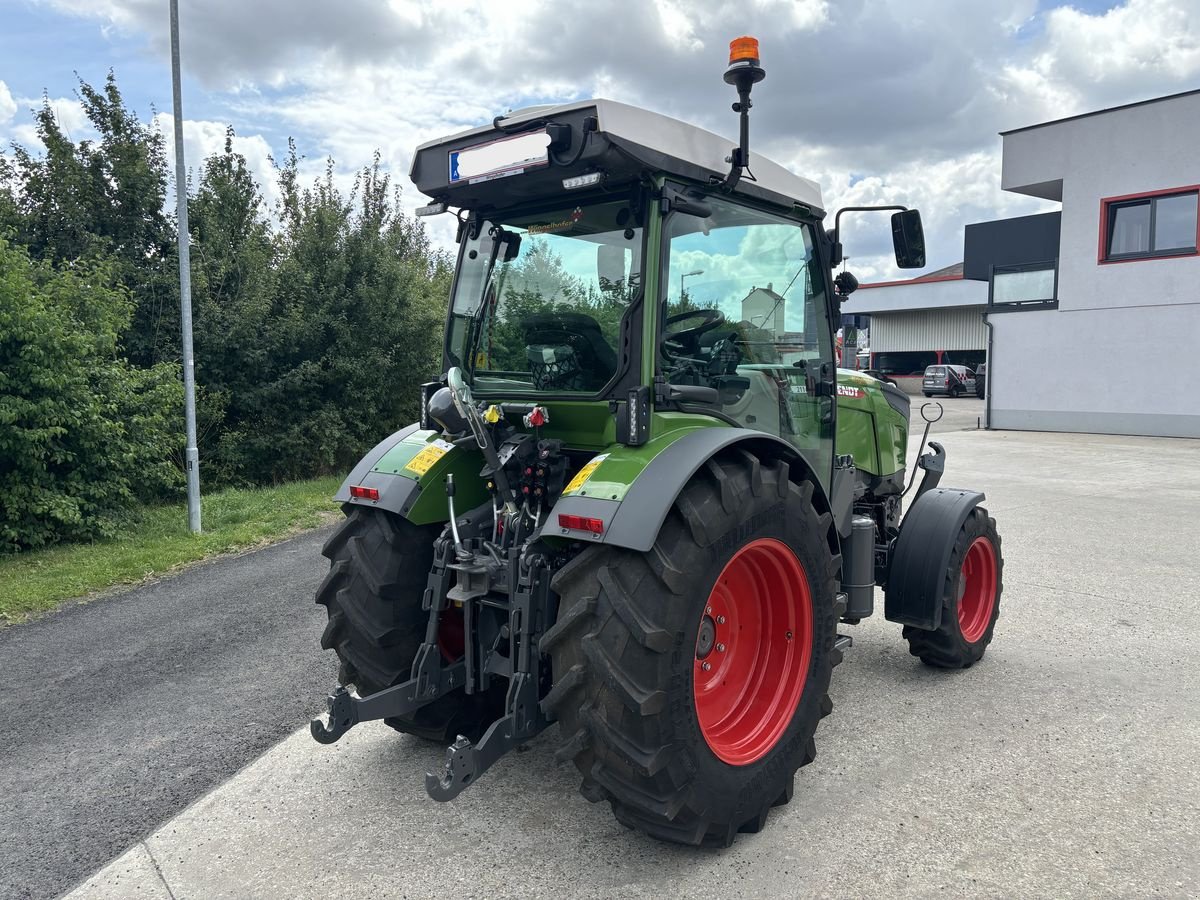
<point x="741" y="578"/>
<point x="970" y="602"/>
<point x="379" y="567"/>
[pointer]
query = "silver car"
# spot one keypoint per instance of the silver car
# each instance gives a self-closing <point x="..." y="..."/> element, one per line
<point x="953" y="381"/>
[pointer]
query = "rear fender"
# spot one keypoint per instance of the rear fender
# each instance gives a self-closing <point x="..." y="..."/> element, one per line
<point x="409" y="469"/>
<point x="632" y="518"/>
<point x="921" y="553"/>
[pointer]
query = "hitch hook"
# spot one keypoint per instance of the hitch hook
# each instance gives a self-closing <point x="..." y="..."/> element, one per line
<point x="460" y="770"/>
<point x="343" y="715"/>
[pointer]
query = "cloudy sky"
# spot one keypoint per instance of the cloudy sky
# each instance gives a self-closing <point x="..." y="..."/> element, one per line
<point x="882" y="101"/>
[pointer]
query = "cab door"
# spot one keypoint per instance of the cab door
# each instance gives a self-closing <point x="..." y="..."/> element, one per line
<point x="745" y="314"/>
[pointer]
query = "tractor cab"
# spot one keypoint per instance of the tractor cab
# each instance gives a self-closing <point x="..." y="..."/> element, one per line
<point x="604" y="257"/>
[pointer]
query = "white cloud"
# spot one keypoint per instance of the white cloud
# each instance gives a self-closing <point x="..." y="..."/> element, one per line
<point x="202" y="139"/>
<point x="1142" y="38"/>
<point x="67" y="112"/>
<point x="880" y="100"/>
<point x="8" y="106"/>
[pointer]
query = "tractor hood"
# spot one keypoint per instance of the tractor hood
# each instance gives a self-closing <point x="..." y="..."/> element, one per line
<point x="513" y="161"/>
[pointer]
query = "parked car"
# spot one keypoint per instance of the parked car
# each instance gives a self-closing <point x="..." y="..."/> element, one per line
<point x="980" y="380"/>
<point x="875" y="373"/>
<point x="954" y="381"/>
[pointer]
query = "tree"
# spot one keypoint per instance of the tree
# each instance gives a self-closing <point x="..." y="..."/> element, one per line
<point x="83" y="435"/>
<point x="96" y="199"/>
<point x="233" y="283"/>
<point x="353" y="329"/>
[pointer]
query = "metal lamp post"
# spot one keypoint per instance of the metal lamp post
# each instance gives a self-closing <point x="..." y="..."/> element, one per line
<point x="192" y="454"/>
<point x="687" y="275"/>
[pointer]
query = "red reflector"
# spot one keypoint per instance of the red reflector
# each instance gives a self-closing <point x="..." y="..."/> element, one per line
<point x="364" y="493"/>
<point x="581" y="523"/>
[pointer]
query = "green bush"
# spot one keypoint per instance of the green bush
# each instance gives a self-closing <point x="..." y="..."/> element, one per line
<point x="315" y="339"/>
<point x="314" y="322"/>
<point x="83" y="435"/>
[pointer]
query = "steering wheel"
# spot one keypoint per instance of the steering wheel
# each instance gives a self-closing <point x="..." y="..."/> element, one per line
<point x="688" y="339"/>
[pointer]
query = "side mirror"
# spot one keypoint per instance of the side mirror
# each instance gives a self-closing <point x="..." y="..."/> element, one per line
<point x="460" y="391"/>
<point x="845" y="284"/>
<point x="908" y="239"/>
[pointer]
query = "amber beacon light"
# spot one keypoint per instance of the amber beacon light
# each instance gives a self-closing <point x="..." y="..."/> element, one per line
<point x="743" y="49"/>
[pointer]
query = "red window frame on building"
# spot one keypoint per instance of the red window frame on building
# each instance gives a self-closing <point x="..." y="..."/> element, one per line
<point x="1106" y="205"/>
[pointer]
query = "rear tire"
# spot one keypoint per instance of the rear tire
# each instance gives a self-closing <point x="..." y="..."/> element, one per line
<point x="379" y="567"/>
<point x="630" y="692"/>
<point x="971" y="599"/>
<point x="927" y="394"/>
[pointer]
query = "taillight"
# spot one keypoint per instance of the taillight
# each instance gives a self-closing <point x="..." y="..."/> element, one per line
<point x="581" y="523"/>
<point x="358" y="492"/>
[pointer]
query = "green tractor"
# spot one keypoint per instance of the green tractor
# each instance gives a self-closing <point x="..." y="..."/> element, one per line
<point x="642" y="497"/>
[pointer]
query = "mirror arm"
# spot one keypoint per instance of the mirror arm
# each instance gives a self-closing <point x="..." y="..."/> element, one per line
<point x="837" y="224"/>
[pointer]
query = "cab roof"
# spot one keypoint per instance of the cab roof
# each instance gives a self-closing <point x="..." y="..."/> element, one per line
<point x="633" y="139"/>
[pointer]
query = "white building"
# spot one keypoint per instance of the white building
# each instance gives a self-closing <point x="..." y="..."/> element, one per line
<point x="923" y="321"/>
<point x="1095" y="313"/>
<point x="763" y="308"/>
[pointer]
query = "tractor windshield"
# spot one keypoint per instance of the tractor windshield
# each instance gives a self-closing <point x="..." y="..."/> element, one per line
<point x="539" y="298"/>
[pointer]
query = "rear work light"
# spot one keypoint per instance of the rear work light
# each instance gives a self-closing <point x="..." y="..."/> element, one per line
<point x="581" y="523"/>
<point x="358" y="492"/>
<point x="580" y="181"/>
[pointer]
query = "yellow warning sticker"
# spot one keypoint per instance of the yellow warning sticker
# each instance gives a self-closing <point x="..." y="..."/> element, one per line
<point x="583" y="474"/>
<point x="423" y="461"/>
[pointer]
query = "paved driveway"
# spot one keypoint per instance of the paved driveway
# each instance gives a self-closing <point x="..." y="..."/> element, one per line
<point x="1063" y="765"/>
<point x="119" y="713"/>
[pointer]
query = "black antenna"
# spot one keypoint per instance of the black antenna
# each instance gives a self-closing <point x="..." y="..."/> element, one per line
<point x="743" y="73"/>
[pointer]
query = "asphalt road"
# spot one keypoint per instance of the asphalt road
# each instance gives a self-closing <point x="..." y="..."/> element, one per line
<point x="121" y="712"/>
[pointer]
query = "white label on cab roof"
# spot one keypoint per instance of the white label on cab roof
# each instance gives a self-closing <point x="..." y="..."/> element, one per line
<point x="497" y="159"/>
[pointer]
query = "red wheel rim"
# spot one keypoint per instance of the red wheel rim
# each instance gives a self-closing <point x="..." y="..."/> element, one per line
<point x="452" y="637"/>
<point x="753" y="651"/>
<point x="977" y="587"/>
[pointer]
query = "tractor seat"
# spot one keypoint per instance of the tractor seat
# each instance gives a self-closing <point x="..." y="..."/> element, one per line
<point x="566" y="351"/>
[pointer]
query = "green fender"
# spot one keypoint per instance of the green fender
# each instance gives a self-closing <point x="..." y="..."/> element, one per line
<point x="629" y="489"/>
<point x="408" y="469"/>
<point x="633" y="516"/>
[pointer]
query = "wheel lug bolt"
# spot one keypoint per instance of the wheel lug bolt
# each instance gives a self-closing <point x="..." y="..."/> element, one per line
<point x="789" y="635"/>
<point x="709" y="610"/>
<point x="720" y="648"/>
<point x="720" y="620"/>
<point x="705" y="666"/>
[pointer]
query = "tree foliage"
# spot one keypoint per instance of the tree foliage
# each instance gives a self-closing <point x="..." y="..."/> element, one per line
<point x="314" y="322"/>
<point x="84" y="435"/>
<point x="350" y="327"/>
<point x="105" y="198"/>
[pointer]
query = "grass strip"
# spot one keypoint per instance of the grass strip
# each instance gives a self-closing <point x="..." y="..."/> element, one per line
<point x="158" y="541"/>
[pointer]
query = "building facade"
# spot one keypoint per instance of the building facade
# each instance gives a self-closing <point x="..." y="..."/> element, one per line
<point x="924" y="321"/>
<point x="1094" y="312"/>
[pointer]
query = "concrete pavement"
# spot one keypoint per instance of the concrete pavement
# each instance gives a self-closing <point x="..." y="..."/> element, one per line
<point x="1063" y="765"/>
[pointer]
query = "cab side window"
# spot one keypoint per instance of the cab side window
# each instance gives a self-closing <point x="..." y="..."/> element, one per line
<point x="745" y="314"/>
